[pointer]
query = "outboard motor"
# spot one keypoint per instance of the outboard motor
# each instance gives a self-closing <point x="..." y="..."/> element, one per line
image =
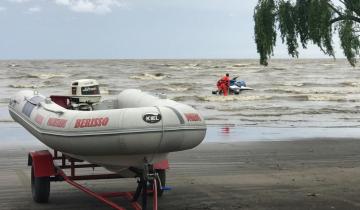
<point x="84" y="93"/>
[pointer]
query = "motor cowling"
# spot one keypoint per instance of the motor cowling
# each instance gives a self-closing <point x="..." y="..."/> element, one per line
<point x="84" y="93"/>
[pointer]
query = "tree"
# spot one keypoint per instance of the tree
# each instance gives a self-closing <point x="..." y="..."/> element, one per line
<point x="307" y="21"/>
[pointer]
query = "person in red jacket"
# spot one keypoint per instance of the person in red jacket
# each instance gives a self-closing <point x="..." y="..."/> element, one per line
<point x="223" y="84"/>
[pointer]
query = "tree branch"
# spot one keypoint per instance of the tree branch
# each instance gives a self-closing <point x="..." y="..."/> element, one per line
<point x="345" y="17"/>
<point x="335" y="9"/>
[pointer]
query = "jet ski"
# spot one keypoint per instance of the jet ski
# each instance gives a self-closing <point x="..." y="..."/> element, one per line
<point x="236" y="86"/>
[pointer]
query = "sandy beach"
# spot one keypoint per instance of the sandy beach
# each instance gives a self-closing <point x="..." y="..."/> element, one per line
<point x="303" y="174"/>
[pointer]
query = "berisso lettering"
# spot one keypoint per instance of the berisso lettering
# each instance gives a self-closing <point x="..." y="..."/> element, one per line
<point x="91" y="122"/>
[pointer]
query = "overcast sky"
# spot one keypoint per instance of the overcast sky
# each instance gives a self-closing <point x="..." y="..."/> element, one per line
<point x="112" y="29"/>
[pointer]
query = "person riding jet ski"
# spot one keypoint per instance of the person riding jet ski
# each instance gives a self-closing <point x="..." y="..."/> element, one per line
<point x="223" y="84"/>
<point x="230" y="86"/>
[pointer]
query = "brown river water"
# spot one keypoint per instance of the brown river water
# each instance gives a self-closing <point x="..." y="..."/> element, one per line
<point x="291" y="98"/>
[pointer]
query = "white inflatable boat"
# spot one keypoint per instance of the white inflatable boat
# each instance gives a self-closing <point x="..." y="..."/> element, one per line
<point x="116" y="133"/>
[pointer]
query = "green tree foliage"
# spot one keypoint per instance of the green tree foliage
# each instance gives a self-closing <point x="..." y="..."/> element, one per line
<point x="307" y="21"/>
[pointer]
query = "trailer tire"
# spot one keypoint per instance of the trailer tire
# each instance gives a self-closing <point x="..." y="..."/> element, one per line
<point x="40" y="188"/>
<point x="161" y="179"/>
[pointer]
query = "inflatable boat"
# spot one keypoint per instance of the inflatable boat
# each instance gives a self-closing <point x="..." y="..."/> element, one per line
<point x="115" y="133"/>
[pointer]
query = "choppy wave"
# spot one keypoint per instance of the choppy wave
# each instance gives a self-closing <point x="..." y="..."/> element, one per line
<point x="4" y="100"/>
<point x="278" y="68"/>
<point x="12" y="65"/>
<point x="18" y="76"/>
<point x="292" y="88"/>
<point x="311" y="91"/>
<point x="104" y="91"/>
<point x="331" y="111"/>
<point x="214" y="118"/>
<point x="350" y="83"/>
<point x="326" y="98"/>
<point x="240" y="65"/>
<point x="51" y="83"/>
<point x="281" y="90"/>
<point x="174" y="89"/>
<point x="194" y="66"/>
<point x="38" y="76"/>
<point x="95" y="77"/>
<point x="26" y="86"/>
<point x="292" y="83"/>
<point x="186" y="98"/>
<point x="217" y="98"/>
<point x="147" y="76"/>
<point x="46" y="75"/>
<point x="240" y="97"/>
<point x="276" y="113"/>
<point x="254" y="109"/>
<point x="311" y="97"/>
<point x="160" y="65"/>
<point x="219" y="67"/>
<point x="327" y="64"/>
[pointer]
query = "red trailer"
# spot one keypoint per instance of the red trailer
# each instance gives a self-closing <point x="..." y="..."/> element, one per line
<point x="47" y="167"/>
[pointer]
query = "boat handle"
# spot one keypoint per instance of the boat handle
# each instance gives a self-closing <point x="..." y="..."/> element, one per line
<point x="14" y="101"/>
<point x="26" y="99"/>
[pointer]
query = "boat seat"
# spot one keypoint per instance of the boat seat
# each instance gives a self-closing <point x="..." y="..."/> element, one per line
<point x="63" y="101"/>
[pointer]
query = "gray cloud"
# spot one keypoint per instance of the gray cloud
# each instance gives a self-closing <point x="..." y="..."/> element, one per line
<point x="90" y="6"/>
<point x="35" y="9"/>
<point x="18" y="1"/>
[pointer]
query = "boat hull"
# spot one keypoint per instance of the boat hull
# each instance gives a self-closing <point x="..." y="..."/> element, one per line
<point x="116" y="138"/>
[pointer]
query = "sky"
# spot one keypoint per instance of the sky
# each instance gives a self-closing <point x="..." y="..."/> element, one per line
<point x="132" y="29"/>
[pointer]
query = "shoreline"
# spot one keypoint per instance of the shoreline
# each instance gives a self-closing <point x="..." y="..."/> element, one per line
<point x="220" y="132"/>
<point x="17" y="135"/>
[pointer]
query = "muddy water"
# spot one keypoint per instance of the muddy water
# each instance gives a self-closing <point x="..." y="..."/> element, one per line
<point x="295" y="98"/>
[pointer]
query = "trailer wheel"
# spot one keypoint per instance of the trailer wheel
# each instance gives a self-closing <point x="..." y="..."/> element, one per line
<point x="161" y="179"/>
<point x="40" y="187"/>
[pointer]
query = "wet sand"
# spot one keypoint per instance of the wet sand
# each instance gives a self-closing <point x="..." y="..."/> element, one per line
<point x="303" y="174"/>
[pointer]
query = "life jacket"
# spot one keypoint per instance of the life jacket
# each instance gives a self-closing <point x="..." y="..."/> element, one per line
<point x="224" y="81"/>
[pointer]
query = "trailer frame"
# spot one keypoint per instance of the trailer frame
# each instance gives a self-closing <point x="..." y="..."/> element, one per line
<point x="44" y="169"/>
